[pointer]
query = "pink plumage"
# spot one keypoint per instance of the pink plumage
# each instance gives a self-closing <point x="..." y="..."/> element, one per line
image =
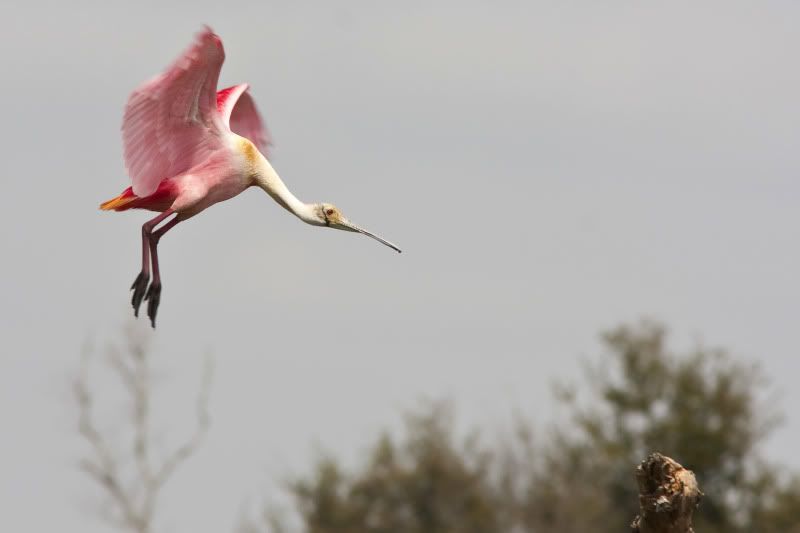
<point x="239" y="113"/>
<point x="171" y="122"/>
<point x="179" y="150"/>
<point x="187" y="146"/>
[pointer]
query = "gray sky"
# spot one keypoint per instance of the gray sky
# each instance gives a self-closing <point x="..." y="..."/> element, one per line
<point x="550" y="171"/>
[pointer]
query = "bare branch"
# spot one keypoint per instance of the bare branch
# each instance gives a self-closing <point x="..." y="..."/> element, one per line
<point x="123" y="369"/>
<point x="141" y="412"/>
<point x="134" y="502"/>
<point x="106" y="472"/>
<point x="192" y="444"/>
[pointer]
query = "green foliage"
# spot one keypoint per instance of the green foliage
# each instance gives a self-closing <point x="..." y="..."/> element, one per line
<point x="424" y="484"/>
<point x="703" y="409"/>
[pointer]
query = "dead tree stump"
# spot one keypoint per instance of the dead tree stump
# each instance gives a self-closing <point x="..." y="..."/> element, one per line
<point x="668" y="496"/>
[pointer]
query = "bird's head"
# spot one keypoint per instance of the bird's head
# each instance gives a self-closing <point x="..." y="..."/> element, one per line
<point x="330" y="216"/>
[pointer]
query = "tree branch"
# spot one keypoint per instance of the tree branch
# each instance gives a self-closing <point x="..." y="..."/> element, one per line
<point x="134" y="502"/>
<point x="191" y="445"/>
<point x="105" y="471"/>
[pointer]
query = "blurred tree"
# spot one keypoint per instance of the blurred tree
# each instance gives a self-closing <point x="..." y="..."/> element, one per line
<point x="130" y="476"/>
<point x="426" y="483"/>
<point x="703" y="409"/>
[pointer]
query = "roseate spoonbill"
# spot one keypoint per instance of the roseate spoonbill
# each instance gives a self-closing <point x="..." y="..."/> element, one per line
<point x="188" y="146"/>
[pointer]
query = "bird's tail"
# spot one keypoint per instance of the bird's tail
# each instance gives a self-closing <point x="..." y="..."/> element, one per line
<point x="121" y="202"/>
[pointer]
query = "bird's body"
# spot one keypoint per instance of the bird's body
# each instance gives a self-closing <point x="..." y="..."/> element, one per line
<point x="188" y="146"/>
<point x="224" y="175"/>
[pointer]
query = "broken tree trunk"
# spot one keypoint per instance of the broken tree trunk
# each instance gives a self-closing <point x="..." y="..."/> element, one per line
<point x="668" y="496"/>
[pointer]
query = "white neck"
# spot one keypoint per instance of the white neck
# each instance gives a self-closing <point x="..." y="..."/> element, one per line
<point x="266" y="178"/>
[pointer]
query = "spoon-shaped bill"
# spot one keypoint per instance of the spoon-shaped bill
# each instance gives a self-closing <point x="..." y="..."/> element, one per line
<point x="352" y="227"/>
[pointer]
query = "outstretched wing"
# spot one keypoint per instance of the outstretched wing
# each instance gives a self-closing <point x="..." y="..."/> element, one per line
<point x="237" y="109"/>
<point x="171" y="122"/>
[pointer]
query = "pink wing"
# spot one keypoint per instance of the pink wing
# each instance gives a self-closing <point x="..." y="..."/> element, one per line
<point x="238" y="111"/>
<point x="171" y="122"/>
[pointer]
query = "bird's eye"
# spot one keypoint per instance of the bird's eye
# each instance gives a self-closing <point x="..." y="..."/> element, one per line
<point x="329" y="212"/>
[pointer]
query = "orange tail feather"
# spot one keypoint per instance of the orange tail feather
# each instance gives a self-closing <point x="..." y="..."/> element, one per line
<point x="121" y="202"/>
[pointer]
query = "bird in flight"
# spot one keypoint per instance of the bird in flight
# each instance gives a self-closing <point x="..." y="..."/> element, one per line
<point x="188" y="146"/>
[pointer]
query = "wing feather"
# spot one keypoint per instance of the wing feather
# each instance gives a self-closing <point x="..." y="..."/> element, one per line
<point x="238" y="111"/>
<point x="171" y="122"/>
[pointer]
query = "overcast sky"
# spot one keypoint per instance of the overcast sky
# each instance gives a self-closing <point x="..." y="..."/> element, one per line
<point x="550" y="170"/>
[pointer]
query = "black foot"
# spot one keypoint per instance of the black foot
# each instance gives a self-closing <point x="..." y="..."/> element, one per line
<point x="139" y="288"/>
<point x="153" y="297"/>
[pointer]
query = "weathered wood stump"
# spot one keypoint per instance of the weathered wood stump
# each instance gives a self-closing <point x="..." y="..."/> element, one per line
<point x="668" y="496"/>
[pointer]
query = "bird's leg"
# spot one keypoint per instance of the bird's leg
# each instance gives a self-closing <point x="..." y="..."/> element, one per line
<point x="153" y="295"/>
<point x="139" y="286"/>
